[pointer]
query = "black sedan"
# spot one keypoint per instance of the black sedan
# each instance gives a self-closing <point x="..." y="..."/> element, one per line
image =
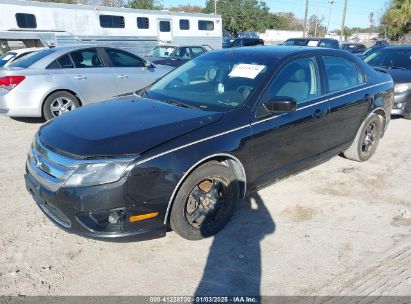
<point x="175" y="55"/>
<point x="354" y="48"/>
<point x="187" y="150"/>
<point x="397" y="62"/>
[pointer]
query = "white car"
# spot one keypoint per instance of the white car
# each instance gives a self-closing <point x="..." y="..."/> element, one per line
<point x="52" y="81"/>
<point x="12" y="56"/>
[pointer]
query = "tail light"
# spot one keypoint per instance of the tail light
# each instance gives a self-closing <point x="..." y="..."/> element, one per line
<point x="10" y="82"/>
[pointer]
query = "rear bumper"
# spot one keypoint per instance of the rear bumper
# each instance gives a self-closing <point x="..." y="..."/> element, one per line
<point x="402" y="104"/>
<point x="84" y="211"/>
<point x="20" y="104"/>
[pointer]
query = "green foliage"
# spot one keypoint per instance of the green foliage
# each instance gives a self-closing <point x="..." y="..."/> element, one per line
<point x="145" y="4"/>
<point x="315" y="27"/>
<point x="397" y="19"/>
<point x="246" y="15"/>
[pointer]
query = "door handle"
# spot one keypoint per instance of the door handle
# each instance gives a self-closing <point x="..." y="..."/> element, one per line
<point x="320" y="113"/>
<point x="80" y="77"/>
<point x="122" y="76"/>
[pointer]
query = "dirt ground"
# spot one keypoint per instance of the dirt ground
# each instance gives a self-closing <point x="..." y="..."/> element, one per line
<point x="342" y="228"/>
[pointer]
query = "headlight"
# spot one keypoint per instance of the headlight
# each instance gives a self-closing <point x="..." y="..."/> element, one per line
<point x="97" y="173"/>
<point x="402" y="87"/>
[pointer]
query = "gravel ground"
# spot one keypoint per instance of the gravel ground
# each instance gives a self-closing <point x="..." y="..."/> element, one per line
<point x="342" y="228"/>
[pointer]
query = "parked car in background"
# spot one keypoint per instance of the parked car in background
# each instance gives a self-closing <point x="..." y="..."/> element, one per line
<point x="239" y="42"/>
<point x="372" y="49"/>
<point x="396" y="60"/>
<point x="14" y="55"/>
<point x="354" y="48"/>
<point x="53" y="81"/>
<point x="188" y="151"/>
<point x="175" y="55"/>
<point x="315" y="42"/>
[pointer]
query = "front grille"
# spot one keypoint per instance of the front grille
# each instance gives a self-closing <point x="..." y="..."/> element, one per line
<point x="49" y="168"/>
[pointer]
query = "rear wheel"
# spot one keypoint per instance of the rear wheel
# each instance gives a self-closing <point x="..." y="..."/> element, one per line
<point x="58" y="103"/>
<point x="205" y="202"/>
<point x="366" y="140"/>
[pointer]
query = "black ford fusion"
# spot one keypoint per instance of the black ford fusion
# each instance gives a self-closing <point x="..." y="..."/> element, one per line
<point x="183" y="153"/>
<point x="397" y="62"/>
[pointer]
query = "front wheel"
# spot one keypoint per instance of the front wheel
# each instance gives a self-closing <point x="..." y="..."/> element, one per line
<point x="205" y="202"/>
<point x="58" y="103"/>
<point x="366" y="140"/>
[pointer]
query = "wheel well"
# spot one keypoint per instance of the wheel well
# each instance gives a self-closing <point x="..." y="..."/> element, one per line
<point x="383" y="115"/>
<point x="61" y="90"/>
<point x="227" y="160"/>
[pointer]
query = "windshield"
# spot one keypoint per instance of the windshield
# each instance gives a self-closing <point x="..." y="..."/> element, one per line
<point x="162" y="51"/>
<point x="212" y="82"/>
<point x="227" y="43"/>
<point x="6" y="58"/>
<point x="386" y="58"/>
<point x="32" y="58"/>
<point x="298" y="42"/>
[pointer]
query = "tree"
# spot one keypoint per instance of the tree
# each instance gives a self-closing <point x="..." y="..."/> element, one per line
<point x="372" y="21"/>
<point x="315" y="27"/>
<point x="145" y="4"/>
<point x="187" y="8"/>
<point x="397" y="19"/>
<point x="242" y="15"/>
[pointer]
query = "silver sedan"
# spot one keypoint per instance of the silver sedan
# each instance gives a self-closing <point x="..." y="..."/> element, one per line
<point x="52" y="81"/>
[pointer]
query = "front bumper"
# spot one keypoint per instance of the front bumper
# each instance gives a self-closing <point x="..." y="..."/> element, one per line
<point x="84" y="211"/>
<point x="402" y="104"/>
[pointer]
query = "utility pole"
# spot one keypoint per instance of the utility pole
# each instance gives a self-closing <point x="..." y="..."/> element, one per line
<point x="316" y="22"/>
<point x="215" y="7"/>
<point x="329" y="15"/>
<point x="305" y="18"/>
<point x="343" y="20"/>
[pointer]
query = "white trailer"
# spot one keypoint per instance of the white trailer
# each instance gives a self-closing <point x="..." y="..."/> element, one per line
<point x="45" y="23"/>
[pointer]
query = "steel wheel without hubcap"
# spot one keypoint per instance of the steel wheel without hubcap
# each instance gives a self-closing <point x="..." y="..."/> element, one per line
<point x="61" y="105"/>
<point x="369" y="139"/>
<point x="204" y="202"/>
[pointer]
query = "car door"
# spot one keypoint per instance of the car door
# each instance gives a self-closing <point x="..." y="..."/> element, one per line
<point x="130" y="71"/>
<point x="92" y="77"/>
<point x="284" y="142"/>
<point x="349" y="104"/>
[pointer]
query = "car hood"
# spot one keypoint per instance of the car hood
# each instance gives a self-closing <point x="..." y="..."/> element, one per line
<point x="400" y="76"/>
<point x="126" y="126"/>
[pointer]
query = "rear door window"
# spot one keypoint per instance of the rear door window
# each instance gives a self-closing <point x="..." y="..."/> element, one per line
<point x="124" y="59"/>
<point x="342" y="73"/>
<point x="88" y="58"/>
<point x="197" y="51"/>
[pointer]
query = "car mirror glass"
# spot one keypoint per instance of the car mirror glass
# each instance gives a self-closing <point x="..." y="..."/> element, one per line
<point x="281" y="104"/>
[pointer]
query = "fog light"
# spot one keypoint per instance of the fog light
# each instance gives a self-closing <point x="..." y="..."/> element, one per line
<point x="116" y="217"/>
<point x="399" y="105"/>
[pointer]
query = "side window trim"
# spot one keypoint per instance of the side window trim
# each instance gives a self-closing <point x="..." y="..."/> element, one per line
<point x="303" y="104"/>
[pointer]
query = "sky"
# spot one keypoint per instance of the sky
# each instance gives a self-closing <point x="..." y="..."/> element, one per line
<point x="357" y="11"/>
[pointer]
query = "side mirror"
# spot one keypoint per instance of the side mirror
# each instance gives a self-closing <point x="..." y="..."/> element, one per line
<point x="149" y="65"/>
<point x="281" y="104"/>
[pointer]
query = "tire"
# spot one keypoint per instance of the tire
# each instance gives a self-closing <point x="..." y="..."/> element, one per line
<point x="60" y="101"/>
<point x="407" y="116"/>
<point x="205" y="201"/>
<point x="366" y="140"/>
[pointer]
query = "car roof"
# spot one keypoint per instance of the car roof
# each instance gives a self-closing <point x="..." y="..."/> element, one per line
<point x="398" y="47"/>
<point x="276" y="51"/>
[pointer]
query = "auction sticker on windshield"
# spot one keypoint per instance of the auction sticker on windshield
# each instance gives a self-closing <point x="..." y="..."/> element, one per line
<point x="246" y="70"/>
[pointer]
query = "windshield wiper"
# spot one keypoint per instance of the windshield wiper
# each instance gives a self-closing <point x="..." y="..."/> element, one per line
<point x="179" y="104"/>
<point x="397" y="68"/>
